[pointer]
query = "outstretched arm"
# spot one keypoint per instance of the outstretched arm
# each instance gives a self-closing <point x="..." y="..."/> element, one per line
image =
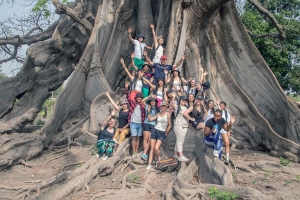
<point x="132" y="62"/>
<point x="179" y="62"/>
<point x="112" y="101"/>
<point x="147" y="58"/>
<point x="113" y="112"/>
<point x="126" y="70"/>
<point x="129" y="35"/>
<point x="154" y="36"/>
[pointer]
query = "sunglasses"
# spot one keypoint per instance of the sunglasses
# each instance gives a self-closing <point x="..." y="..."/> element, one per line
<point x="163" y="59"/>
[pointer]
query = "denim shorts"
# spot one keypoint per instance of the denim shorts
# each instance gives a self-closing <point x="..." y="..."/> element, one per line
<point x="136" y="129"/>
<point x="157" y="134"/>
<point x="147" y="127"/>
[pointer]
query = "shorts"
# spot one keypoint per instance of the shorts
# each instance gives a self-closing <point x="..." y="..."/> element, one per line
<point x="157" y="134"/>
<point x="196" y="122"/>
<point x="138" y="63"/>
<point x="145" y="92"/>
<point x="148" y="127"/>
<point x="136" y="129"/>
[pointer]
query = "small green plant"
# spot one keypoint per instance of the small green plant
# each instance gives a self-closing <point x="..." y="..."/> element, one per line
<point x="133" y="178"/>
<point x="285" y="161"/>
<point x="233" y="175"/>
<point x="85" y="141"/>
<point x="94" y="150"/>
<point x="214" y="193"/>
<point x="287" y="182"/>
<point x="298" y="177"/>
<point x="78" y="166"/>
<point x="268" y="173"/>
<point x="254" y="181"/>
<point x="39" y="122"/>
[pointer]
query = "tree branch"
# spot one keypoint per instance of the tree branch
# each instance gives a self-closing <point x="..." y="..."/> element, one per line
<point x="12" y="55"/>
<point x="262" y="10"/>
<point x="62" y="9"/>
<point x="274" y="35"/>
<point x="17" y="40"/>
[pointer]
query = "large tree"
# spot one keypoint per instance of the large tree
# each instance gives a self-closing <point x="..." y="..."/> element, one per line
<point x="87" y="43"/>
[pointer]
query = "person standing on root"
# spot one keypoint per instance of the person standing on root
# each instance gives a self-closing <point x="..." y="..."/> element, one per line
<point x="181" y="125"/>
<point x="212" y="133"/>
<point x="225" y="114"/>
<point x="105" y="141"/>
<point x="123" y="127"/>
<point x="149" y="125"/>
<point x="159" y="68"/>
<point x="139" y="46"/>
<point x="136" y="118"/>
<point x="160" y="131"/>
<point x="210" y="107"/>
<point x="158" y="45"/>
<point x="198" y="113"/>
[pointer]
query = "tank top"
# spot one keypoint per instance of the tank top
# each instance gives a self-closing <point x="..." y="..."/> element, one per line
<point x="158" y="53"/>
<point x="198" y="115"/>
<point x="123" y="118"/>
<point x="176" y="85"/>
<point x="105" y="134"/>
<point x="180" y="119"/>
<point x="139" y="86"/>
<point x="159" y="95"/>
<point x="162" y="122"/>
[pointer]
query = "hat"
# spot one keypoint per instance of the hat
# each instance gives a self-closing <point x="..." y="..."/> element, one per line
<point x="151" y="99"/>
<point x="146" y="63"/>
<point x="123" y="101"/>
<point x="183" y="97"/>
<point x="138" y="95"/>
<point x="141" y="37"/>
<point x="206" y="85"/>
<point x="176" y="70"/>
<point x="199" y="97"/>
<point x="163" y="57"/>
<point x="169" y="91"/>
<point x="162" y="104"/>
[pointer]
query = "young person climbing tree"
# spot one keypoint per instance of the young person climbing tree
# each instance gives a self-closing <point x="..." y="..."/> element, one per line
<point x="123" y="127"/>
<point x="160" y="131"/>
<point x="158" y="68"/>
<point x="158" y="45"/>
<point x="198" y="113"/>
<point x="212" y="133"/>
<point x="105" y="141"/>
<point x="149" y="125"/>
<point x="137" y="81"/>
<point x="180" y="127"/>
<point x="136" y="118"/>
<point x="139" y="46"/>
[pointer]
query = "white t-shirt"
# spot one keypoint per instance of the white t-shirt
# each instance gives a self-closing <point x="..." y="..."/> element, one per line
<point x="138" y="49"/>
<point x="209" y="115"/>
<point x="226" y="120"/>
<point x="158" y="53"/>
<point x="139" y="86"/>
<point x="136" y="116"/>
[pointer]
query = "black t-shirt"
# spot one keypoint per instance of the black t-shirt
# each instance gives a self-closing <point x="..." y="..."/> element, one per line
<point x="211" y="123"/>
<point x="105" y="134"/>
<point x="123" y="118"/>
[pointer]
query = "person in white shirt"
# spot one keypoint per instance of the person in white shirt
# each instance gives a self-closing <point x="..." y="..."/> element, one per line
<point x="158" y="45"/>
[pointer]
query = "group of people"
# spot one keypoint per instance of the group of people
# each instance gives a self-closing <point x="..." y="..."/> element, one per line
<point x="159" y="99"/>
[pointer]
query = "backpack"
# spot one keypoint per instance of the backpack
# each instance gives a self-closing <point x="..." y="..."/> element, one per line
<point x="167" y="165"/>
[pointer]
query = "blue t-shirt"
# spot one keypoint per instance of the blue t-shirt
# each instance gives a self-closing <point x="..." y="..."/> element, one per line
<point x="159" y="70"/>
<point x="148" y="76"/>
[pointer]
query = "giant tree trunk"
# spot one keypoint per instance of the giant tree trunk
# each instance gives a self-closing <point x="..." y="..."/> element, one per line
<point x="212" y="37"/>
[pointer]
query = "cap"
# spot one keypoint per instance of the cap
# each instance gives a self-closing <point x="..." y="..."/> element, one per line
<point x="163" y="104"/>
<point x="139" y="95"/>
<point x="169" y="91"/>
<point x="146" y="63"/>
<point x="183" y="98"/>
<point x="140" y="36"/>
<point x="199" y="97"/>
<point x="123" y="101"/>
<point x="151" y="99"/>
<point x="163" y="57"/>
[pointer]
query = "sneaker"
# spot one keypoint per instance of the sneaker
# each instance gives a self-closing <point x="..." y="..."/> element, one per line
<point x="148" y="167"/>
<point x="226" y="162"/>
<point x="216" y="153"/>
<point x="97" y="155"/>
<point x="105" y="158"/>
<point x="183" y="159"/>
<point x="144" y="156"/>
<point x="175" y="156"/>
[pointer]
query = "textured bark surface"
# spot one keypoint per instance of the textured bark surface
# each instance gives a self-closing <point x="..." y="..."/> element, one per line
<point x="212" y="37"/>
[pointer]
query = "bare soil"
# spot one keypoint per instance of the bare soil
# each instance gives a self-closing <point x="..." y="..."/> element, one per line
<point x="255" y="169"/>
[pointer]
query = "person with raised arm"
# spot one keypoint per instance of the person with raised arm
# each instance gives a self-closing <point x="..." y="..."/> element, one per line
<point x="123" y="127"/>
<point x="212" y="133"/>
<point x="198" y="113"/>
<point x="139" y="46"/>
<point x="158" y="68"/>
<point x="160" y="131"/>
<point x="158" y="45"/>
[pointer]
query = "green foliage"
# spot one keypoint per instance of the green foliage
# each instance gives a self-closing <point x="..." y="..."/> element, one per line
<point x="284" y="161"/>
<point x="43" y="6"/>
<point x="214" y="193"/>
<point x="94" y="150"/>
<point x="2" y="75"/>
<point x="267" y="173"/>
<point x="133" y="177"/>
<point x="39" y="122"/>
<point x="298" y="177"/>
<point x="283" y="57"/>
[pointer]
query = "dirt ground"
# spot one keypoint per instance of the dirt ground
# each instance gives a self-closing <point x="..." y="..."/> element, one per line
<point x="254" y="169"/>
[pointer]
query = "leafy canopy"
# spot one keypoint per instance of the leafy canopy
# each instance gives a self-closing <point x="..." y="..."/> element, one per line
<point x="283" y="57"/>
<point x="43" y="6"/>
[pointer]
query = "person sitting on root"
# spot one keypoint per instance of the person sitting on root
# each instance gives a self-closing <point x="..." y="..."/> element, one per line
<point x="158" y="68"/>
<point x="123" y="127"/>
<point x="160" y="131"/>
<point x="181" y="125"/>
<point x="139" y="46"/>
<point x="106" y="141"/>
<point x="212" y="133"/>
<point x="137" y="81"/>
<point x="136" y="118"/>
<point x="158" y="45"/>
<point x="198" y="113"/>
<point x="149" y="125"/>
